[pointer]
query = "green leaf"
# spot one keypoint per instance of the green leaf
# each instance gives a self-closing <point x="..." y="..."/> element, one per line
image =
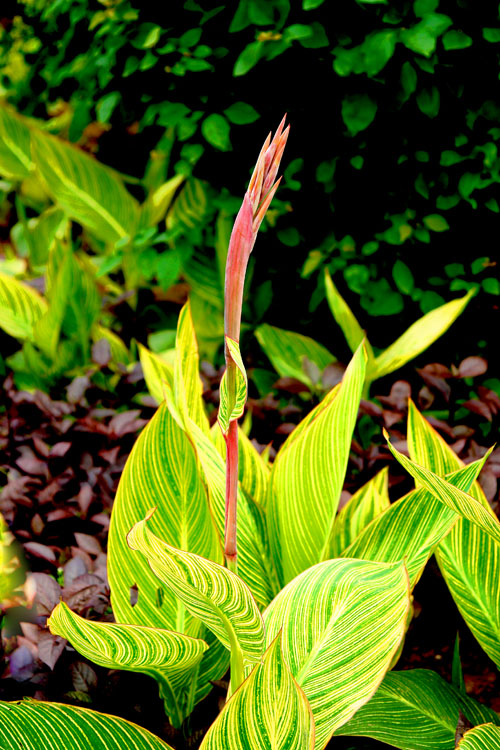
<point x="403" y="277"/>
<point x="241" y="113"/>
<point x="42" y="233"/>
<point x="21" y="307"/>
<point x="412" y="527"/>
<point x="37" y="725"/>
<point x="89" y="192"/>
<point x="248" y="58"/>
<point x="422" y="37"/>
<point x="341" y="622"/>
<point x="158" y="373"/>
<point x="158" y="202"/>
<point x="456" y="40"/>
<point x="419" y="336"/>
<point x="232" y="405"/>
<point x="106" y="106"/>
<point x="15" y="146"/>
<point x="358" y="112"/>
<point x="210" y="592"/>
<point x="366" y="504"/>
<point x="463" y="553"/>
<point x="308" y="474"/>
<point x="455" y="499"/>
<point x="428" y="101"/>
<point x="491" y="286"/>
<point x="484" y="737"/>
<point x="436" y="223"/>
<point x="154" y="651"/>
<point x="162" y="471"/>
<point x="414" y="708"/>
<point x="147" y="36"/>
<point x="288" y="350"/>
<point x="345" y="318"/>
<point x="422" y="7"/>
<point x="215" y="129"/>
<point x="491" y="35"/>
<point x="268" y="712"/>
<point x="188" y="387"/>
<point x="408" y="80"/>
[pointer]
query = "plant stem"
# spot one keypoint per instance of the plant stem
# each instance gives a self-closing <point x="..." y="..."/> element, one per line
<point x="231" y="495"/>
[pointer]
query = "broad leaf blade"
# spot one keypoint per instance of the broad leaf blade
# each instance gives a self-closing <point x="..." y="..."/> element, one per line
<point x="419" y="336"/>
<point x="268" y="712"/>
<point x="484" y="737"/>
<point x="367" y="503"/>
<point x="37" y="725"/>
<point x="88" y="191"/>
<point x="21" y="307"/>
<point x="465" y="505"/>
<point x="287" y="351"/>
<point x="469" y="558"/>
<point x="412" y="527"/>
<point x="413" y="710"/>
<point x="158" y="373"/>
<point x="187" y="382"/>
<point x="343" y="314"/>
<point x="307" y="478"/>
<point x="15" y="146"/>
<point x="162" y="471"/>
<point x="341" y="621"/>
<point x="158" y="202"/>
<point x="210" y="592"/>
<point x="167" y="656"/>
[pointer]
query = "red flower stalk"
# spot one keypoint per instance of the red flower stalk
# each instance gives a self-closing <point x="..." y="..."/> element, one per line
<point x="259" y="195"/>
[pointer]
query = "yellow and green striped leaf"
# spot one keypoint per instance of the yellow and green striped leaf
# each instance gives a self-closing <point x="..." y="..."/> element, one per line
<point x="89" y="192"/>
<point x="465" y="505"/>
<point x="253" y="471"/>
<point x="412" y="527"/>
<point x="167" y="656"/>
<point x="468" y="557"/>
<point x="37" y="725"/>
<point x="187" y="382"/>
<point x="341" y="622"/>
<point x="367" y="503"/>
<point x="158" y="372"/>
<point x="232" y="405"/>
<point x="287" y="351"/>
<point x="210" y="592"/>
<point x="419" y="336"/>
<point x="162" y="471"/>
<point x="158" y="202"/>
<point x="307" y="477"/>
<point x="344" y="316"/>
<point x="190" y="206"/>
<point x="484" y="737"/>
<point x="414" y="710"/>
<point x="21" y="307"/>
<point x="15" y="146"/>
<point x="255" y="565"/>
<point x="268" y="712"/>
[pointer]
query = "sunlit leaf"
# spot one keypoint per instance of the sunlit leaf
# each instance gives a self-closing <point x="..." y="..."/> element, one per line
<point x="268" y="712"/>
<point x="231" y="406"/>
<point x="341" y="623"/>
<point x="37" y="725"/>
<point x="15" y="146"/>
<point x="157" y="372"/>
<point x="187" y="382"/>
<point x="484" y="737"/>
<point x="307" y="477"/>
<point x="20" y="308"/>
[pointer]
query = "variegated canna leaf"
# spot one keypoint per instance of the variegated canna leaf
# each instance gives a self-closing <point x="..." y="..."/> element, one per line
<point x="228" y="411"/>
<point x="465" y="505"/>
<point x="484" y="737"/>
<point x="167" y="656"/>
<point x="15" y="146"/>
<point x="21" y="307"/>
<point x="415" y="710"/>
<point x="468" y="557"/>
<point x="89" y="192"/>
<point x="345" y="318"/>
<point x="412" y="527"/>
<point x="210" y="592"/>
<point x="162" y="471"/>
<point x="268" y="712"/>
<point x="367" y="503"/>
<point x="158" y="372"/>
<point x="187" y="382"/>
<point x="419" y="336"/>
<point x="287" y="351"/>
<point x="37" y="725"/>
<point x="341" y="622"/>
<point x="307" y="477"/>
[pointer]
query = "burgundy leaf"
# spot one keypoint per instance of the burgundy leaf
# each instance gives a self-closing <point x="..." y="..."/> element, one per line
<point x="88" y="543"/>
<point x="101" y="352"/>
<point x="50" y="648"/>
<point x="21" y="664"/>
<point x="76" y="389"/>
<point x="291" y="385"/>
<point x="73" y="569"/>
<point x="126" y="422"/>
<point x="60" y="449"/>
<point x="83" y="676"/>
<point x="30" y="463"/>
<point x="478" y="407"/>
<point x="40" y="550"/>
<point x="470" y="367"/>
<point x="47" y="592"/>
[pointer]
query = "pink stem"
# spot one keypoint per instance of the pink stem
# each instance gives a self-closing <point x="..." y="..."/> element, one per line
<point x="231" y="494"/>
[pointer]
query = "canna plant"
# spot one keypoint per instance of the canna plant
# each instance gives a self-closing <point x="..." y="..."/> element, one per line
<point x="308" y="607"/>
